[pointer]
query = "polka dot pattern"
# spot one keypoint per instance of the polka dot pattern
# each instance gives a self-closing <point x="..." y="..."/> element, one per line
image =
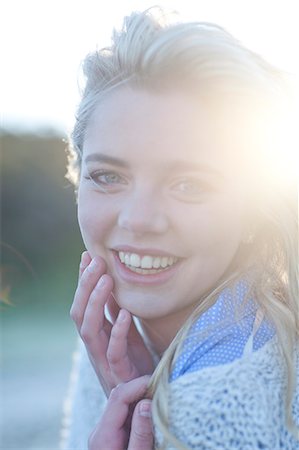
<point x="218" y="337"/>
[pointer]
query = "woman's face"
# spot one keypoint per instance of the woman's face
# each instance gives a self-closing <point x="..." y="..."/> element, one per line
<point x="160" y="199"/>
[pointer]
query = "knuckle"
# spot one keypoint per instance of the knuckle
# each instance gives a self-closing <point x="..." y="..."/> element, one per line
<point x="74" y="314"/>
<point x="85" y="334"/>
<point x="111" y="357"/>
<point x="142" y="434"/>
<point x="100" y="440"/>
<point x="116" y="393"/>
<point x="93" y="441"/>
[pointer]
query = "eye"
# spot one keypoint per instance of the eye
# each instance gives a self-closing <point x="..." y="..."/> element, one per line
<point x="106" y="179"/>
<point x="188" y="186"/>
<point x="191" y="189"/>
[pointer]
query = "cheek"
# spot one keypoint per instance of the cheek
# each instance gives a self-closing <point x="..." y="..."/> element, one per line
<point x="93" y="221"/>
<point x="216" y="226"/>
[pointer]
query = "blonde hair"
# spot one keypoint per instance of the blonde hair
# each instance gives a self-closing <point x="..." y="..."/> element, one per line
<point x="152" y="53"/>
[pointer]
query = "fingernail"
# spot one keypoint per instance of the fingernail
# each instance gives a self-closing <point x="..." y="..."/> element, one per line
<point x="93" y="265"/>
<point x="84" y="259"/>
<point x="121" y="316"/>
<point x="145" y="408"/>
<point x="101" y="283"/>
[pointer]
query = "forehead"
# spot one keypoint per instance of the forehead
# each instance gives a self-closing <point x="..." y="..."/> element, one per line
<point x="159" y="127"/>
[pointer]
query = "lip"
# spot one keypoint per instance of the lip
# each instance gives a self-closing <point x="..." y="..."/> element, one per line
<point x="130" y="277"/>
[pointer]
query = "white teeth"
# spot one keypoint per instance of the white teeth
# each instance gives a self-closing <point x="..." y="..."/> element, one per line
<point x="164" y="261"/>
<point x="147" y="262"/>
<point x="134" y="261"/>
<point x="156" y="263"/>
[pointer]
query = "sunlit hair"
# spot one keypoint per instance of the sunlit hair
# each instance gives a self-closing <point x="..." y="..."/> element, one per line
<point x="251" y="99"/>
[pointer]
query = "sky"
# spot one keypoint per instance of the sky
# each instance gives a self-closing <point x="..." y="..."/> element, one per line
<point x="44" y="42"/>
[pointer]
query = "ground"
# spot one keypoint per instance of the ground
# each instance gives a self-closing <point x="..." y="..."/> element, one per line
<point x="36" y="349"/>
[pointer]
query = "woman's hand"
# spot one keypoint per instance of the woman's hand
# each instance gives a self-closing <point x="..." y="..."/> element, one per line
<point x="114" y="430"/>
<point x="116" y="350"/>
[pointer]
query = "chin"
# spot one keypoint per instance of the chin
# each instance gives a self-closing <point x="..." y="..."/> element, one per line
<point x="141" y="306"/>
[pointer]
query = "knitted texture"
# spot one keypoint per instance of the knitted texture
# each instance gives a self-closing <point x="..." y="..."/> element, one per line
<point x="237" y="406"/>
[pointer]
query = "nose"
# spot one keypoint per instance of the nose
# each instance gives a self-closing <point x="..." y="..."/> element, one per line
<point x="143" y="213"/>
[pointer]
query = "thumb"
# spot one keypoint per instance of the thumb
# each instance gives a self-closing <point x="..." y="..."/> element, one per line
<point x="141" y="435"/>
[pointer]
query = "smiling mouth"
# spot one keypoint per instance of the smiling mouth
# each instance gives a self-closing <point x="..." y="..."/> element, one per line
<point x="146" y="265"/>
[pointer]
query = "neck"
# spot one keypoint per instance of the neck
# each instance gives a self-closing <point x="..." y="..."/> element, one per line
<point x="161" y="331"/>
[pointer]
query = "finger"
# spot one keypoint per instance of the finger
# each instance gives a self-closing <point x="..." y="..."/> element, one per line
<point x="95" y="332"/>
<point x="86" y="284"/>
<point x="85" y="261"/>
<point x="141" y="435"/>
<point x="107" y="439"/>
<point x="95" y="328"/>
<point x="117" y="352"/>
<point x="117" y="409"/>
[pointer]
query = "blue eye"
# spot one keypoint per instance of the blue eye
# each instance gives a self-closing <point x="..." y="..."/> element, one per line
<point x="189" y="187"/>
<point x="106" y="178"/>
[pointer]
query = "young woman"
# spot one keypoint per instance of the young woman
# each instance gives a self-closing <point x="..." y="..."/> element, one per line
<point x="187" y="300"/>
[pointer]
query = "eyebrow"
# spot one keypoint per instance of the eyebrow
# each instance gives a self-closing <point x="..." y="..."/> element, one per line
<point x="175" y="165"/>
<point x="194" y="166"/>
<point x="100" y="157"/>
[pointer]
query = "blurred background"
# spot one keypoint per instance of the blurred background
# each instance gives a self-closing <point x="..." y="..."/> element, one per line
<point x="42" y="45"/>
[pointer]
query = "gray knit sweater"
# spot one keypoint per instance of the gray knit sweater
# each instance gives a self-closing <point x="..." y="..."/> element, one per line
<point x="235" y="406"/>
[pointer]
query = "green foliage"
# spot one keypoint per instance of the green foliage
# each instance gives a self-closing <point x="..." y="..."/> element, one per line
<point x="40" y="238"/>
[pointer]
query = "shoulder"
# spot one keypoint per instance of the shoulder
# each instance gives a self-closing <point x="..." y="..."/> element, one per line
<point x="237" y="405"/>
<point x="219" y="336"/>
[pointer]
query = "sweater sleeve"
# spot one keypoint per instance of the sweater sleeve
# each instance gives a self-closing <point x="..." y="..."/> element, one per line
<point x="84" y="403"/>
<point x="236" y="406"/>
